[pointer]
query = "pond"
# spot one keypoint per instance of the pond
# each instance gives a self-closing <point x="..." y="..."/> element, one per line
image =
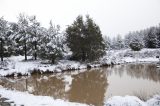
<point x="92" y="86"/>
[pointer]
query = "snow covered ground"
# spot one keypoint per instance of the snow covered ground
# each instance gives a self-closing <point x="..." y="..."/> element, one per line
<point x="26" y="99"/>
<point x="129" y="56"/>
<point x="132" y="101"/>
<point x="16" y="65"/>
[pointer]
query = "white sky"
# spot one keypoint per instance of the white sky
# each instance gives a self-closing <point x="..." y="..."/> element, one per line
<point x="113" y="16"/>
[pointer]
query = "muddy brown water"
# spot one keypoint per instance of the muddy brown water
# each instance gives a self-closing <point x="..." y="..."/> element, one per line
<point x="92" y="86"/>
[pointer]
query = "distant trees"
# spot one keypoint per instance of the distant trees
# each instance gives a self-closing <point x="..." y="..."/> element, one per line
<point x="115" y="43"/>
<point x="85" y="40"/>
<point x="151" y="40"/>
<point x="107" y="41"/>
<point x="148" y="38"/>
<point x="120" y="42"/>
<point x="158" y="36"/>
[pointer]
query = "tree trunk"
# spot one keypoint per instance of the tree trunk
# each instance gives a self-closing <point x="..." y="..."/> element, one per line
<point x="25" y="50"/>
<point x="35" y="54"/>
<point x="53" y="61"/>
<point x="2" y="51"/>
<point x="83" y="56"/>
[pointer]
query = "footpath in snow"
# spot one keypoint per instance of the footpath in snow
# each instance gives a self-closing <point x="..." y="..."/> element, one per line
<point x="16" y="65"/>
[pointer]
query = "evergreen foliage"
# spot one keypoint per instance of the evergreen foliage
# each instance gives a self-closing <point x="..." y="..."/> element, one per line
<point x="3" y="37"/>
<point x="85" y="40"/>
<point x="52" y="43"/>
<point x="136" y="46"/>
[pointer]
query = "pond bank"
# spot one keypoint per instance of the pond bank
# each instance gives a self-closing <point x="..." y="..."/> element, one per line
<point x="16" y="66"/>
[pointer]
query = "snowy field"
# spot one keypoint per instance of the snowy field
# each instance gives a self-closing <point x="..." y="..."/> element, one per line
<point x="16" y="65"/>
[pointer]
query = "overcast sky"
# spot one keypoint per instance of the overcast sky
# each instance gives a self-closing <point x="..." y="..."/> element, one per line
<point x="113" y="16"/>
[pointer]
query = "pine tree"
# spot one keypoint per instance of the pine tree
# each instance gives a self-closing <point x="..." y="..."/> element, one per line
<point x="114" y="43"/>
<point x="94" y="40"/>
<point x="151" y="38"/>
<point x="107" y="41"/>
<point x="117" y="43"/>
<point x="3" y="36"/>
<point x="85" y="39"/>
<point x="35" y="32"/>
<point x="52" y="44"/>
<point x="22" y="35"/>
<point x="75" y="38"/>
<point x="120" y="43"/>
<point x="158" y="36"/>
<point x="17" y="48"/>
<point x="134" y="36"/>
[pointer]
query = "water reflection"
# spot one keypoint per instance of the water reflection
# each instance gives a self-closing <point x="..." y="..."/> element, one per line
<point x="91" y="86"/>
<point x="38" y="85"/>
<point x="87" y="87"/>
<point x="132" y="79"/>
<point x="145" y="71"/>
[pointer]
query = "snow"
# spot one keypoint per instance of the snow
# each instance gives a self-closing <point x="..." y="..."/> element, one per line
<point x="132" y="101"/>
<point x="154" y="101"/>
<point x="129" y="56"/>
<point x="16" y="65"/>
<point x="26" y="99"/>
<point x="68" y="80"/>
<point x="124" y="101"/>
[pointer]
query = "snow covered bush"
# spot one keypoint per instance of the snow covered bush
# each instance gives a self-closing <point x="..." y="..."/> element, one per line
<point x="136" y="46"/>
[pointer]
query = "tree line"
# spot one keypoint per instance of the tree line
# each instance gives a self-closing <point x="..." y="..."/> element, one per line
<point x="83" y="38"/>
<point x="27" y="37"/>
<point x="147" y="38"/>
